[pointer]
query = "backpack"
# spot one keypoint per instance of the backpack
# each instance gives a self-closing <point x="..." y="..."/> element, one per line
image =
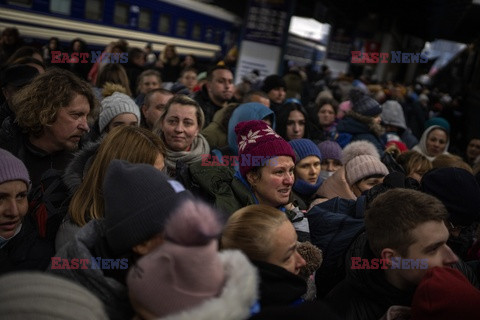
<point x="48" y="203"/>
<point x="334" y="225"/>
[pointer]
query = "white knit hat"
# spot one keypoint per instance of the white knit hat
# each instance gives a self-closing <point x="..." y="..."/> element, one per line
<point x="114" y="105"/>
<point x="35" y="295"/>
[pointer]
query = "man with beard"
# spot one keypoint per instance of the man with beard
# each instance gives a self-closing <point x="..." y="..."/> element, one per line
<point x="216" y="93"/>
<point x="52" y="118"/>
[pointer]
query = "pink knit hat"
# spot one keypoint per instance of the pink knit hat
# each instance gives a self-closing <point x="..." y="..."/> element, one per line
<point x="363" y="166"/>
<point x="184" y="271"/>
<point x="256" y="140"/>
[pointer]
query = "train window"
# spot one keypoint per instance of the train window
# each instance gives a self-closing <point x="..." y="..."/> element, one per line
<point x="94" y="9"/>
<point x="164" y="23"/>
<point x="218" y="36"/>
<point x="144" y="19"/>
<point x="60" y="6"/>
<point x="197" y="31"/>
<point x="121" y="14"/>
<point x="23" y="3"/>
<point x="209" y="34"/>
<point x="181" y="28"/>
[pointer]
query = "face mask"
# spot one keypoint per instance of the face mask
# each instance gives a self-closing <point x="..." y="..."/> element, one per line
<point x="325" y="174"/>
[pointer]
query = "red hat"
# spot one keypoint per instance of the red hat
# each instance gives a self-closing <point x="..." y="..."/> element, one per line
<point x="257" y="142"/>
<point x="400" y="145"/>
<point x="445" y="293"/>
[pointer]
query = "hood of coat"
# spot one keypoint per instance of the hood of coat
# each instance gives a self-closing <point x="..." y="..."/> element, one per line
<point x="246" y="112"/>
<point x="78" y="167"/>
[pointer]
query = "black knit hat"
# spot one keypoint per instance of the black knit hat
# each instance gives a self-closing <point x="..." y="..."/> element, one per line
<point x="459" y="192"/>
<point x="364" y="104"/>
<point x="138" y="200"/>
<point x="272" y="82"/>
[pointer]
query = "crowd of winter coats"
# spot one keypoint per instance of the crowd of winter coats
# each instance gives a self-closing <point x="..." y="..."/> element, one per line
<point x="216" y="205"/>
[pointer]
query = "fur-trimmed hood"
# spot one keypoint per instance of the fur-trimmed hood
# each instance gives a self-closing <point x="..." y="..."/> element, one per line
<point x="78" y="167"/>
<point x="239" y="295"/>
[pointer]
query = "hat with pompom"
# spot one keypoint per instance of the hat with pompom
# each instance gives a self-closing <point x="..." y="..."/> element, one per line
<point x="357" y="148"/>
<point x="184" y="271"/>
<point x="114" y="105"/>
<point x="363" y="166"/>
<point x="257" y="143"/>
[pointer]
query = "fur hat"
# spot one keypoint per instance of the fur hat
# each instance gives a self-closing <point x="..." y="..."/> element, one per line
<point x="330" y="150"/>
<point x="363" y="166"/>
<point x="256" y="139"/>
<point x="357" y="148"/>
<point x="272" y="82"/>
<point x="304" y="148"/>
<point x="138" y="200"/>
<point x="184" y="271"/>
<point x="458" y="190"/>
<point x="363" y="104"/>
<point x="35" y="295"/>
<point x="392" y="114"/>
<point x="114" y="105"/>
<point x="12" y="168"/>
<point x="445" y="293"/>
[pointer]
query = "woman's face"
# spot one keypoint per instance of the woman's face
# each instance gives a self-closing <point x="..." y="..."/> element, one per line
<point x="365" y="184"/>
<point x="436" y="142"/>
<point x="331" y="165"/>
<point x="180" y="127"/>
<point x="272" y="184"/>
<point x="326" y="115"/>
<point x="295" y="125"/>
<point x="308" y="169"/>
<point x="284" y="244"/>
<point x="473" y="149"/>
<point x="124" y="119"/>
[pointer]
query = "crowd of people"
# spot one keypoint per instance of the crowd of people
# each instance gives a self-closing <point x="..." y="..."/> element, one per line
<point x="152" y="191"/>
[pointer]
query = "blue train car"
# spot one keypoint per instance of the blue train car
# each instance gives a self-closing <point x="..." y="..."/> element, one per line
<point x="194" y="27"/>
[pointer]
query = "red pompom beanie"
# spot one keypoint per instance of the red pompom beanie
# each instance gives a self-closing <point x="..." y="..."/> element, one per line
<point x="257" y="143"/>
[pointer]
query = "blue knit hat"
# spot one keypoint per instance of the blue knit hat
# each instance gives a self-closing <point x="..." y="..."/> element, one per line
<point x="330" y="150"/>
<point x="304" y="148"/>
<point x="437" y="121"/>
<point x="363" y="104"/>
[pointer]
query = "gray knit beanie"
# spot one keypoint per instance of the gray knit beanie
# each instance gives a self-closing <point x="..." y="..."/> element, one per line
<point x="392" y="114"/>
<point x="114" y="105"/>
<point x="362" y="167"/>
<point x="138" y="200"/>
<point x="365" y="105"/>
<point x="35" y="295"/>
<point x="12" y="168"/>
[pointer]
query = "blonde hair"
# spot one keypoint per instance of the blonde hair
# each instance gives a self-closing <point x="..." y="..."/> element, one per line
<point x="250" y="230"/>
<point x="451" y="160"/>
<point x="413" y="161"/>
<point x="133" y="144"/>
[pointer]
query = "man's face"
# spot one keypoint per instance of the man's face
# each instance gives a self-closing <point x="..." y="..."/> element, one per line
<point x="13" y="206"/>
<point x="277" y="95"/>
<point x="69" y="127"/>
<point x="220" y="89"/>
<point x="430" y="244"/>
<point x="154" y="107"/>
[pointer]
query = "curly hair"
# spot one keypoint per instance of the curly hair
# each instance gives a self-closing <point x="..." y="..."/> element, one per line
<point x="36" y="105"/>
